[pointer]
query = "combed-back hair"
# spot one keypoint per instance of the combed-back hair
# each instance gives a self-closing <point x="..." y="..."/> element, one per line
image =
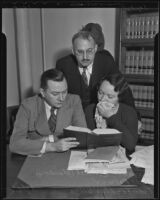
<point x="51" y="74"/>
<point x="83" y="35"/>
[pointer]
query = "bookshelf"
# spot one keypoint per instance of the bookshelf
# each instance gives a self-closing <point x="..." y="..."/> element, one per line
<point x="138" y="27"/>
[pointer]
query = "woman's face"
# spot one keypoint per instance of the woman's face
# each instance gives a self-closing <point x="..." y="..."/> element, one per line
<point x="106" y="93"/>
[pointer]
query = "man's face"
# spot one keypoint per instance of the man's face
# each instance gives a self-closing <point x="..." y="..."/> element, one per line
<point x="55" y="93"/>
<point x="84" y="50"/>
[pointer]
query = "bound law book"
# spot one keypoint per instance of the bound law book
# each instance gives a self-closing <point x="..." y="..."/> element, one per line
<point x="93" y="138"/>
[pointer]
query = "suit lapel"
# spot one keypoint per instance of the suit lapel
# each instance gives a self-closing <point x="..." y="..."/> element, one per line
<point x="96" y="72"/>
<point x="93" y="77"/>
<point x="63" y="116"/>
<point x="42" y="123"/>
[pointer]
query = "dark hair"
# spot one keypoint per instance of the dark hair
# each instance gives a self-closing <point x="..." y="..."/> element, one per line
<point x="95" y="30"/>
<point x="51" y="74"/>
<point x="117" y="80"/>
<point x="82" y="34"/>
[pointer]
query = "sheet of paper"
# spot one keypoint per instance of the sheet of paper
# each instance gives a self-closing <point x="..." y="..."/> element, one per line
<point x="118" y="165"/>
<point x="103" y="168"/>
<point x="77" y="160"/>
<point x="148" y="177"/>
<point x="145" y="158"/>
<point x="80" y="129"/>
<point x="100" y="131"/>
<point x="38" y="155"/>
<point x="118" y="158"/>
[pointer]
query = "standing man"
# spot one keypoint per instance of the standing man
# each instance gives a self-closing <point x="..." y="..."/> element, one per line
<point x="86" y="66"/>
<point x="41" y="118"/>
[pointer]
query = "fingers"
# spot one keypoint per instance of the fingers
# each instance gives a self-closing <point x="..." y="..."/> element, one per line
<point x="65" y="144"/>
<point x="69" y="139"/>
<point x="71" y="145"/>
<point x="106" y="104"/>
<point x="70" y="142"/>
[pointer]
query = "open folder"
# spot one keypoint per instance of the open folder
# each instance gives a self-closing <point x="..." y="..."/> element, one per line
<point x="94" y="138"/>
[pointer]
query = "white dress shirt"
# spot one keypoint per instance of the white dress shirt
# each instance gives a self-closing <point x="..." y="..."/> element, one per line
<point x="50" y="138"/>
<point x="88" y="71"/>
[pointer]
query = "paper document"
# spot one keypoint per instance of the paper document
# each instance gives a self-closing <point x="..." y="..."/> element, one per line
<point x="145" y="158"/>
<point x="80" y="129"/>
<point x="148" y="177"/>
<point x="117" y="165"/>
<point x="77" y="160"/>
<point x="103" y="168"/>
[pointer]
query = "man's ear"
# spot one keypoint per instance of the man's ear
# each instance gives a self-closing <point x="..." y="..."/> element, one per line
<point x="41" y="90"/>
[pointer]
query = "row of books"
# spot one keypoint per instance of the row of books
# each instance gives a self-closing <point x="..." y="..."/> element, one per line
<point x="147" y="128"/>
<point x="139" y="62"/>
<point x="141" y="26"/>
<point x="143" y="95"/>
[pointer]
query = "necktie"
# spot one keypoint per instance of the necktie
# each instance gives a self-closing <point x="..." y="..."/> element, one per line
<point x="52" y="120"/>
<point x="84" y="76"/>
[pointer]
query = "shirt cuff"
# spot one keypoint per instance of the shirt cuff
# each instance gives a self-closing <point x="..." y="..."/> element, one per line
<point x="51" y="138"/>
<point x="43" y="148"/>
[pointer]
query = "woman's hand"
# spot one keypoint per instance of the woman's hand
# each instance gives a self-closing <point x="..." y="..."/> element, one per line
<point x="106" y="109"/>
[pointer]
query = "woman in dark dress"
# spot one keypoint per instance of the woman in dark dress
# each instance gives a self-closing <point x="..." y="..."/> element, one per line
<point x="111" y="113"/>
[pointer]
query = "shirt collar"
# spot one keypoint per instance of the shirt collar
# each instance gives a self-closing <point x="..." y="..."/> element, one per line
<point x="89" y="69"/>
<point x="48" y="108"/>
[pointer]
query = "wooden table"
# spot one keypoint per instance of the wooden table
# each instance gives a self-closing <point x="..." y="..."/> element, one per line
<point x="14" y="163"/>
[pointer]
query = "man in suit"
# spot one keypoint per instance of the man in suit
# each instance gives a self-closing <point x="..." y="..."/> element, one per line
<point x="87" y="62"/>
<point x="40" y="119"/>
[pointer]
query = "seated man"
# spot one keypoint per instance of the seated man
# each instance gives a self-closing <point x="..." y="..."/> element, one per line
<point x="37" y="127"/>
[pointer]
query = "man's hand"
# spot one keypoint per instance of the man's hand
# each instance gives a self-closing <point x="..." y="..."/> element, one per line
<point x="62" y="144"/>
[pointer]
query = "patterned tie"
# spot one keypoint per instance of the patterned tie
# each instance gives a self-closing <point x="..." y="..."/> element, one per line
<point x="52" y="120"/>
<point x="84" y="76"/>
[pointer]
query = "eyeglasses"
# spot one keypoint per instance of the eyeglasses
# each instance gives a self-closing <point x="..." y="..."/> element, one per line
<point x="88" y="52"/>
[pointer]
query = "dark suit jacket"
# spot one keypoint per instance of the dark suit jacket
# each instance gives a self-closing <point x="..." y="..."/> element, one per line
<point x="103" y="64"/>
<point x="31" y="123"/>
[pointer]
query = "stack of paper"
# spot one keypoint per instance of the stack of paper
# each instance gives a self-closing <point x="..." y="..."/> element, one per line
<point x="102" y="160"/>
<point x="106" y="160"/>
<point x="145" y="158"/>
